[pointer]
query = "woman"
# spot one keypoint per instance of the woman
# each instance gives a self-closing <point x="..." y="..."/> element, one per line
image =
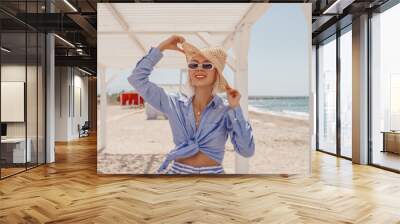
<point x="200" y="121"/>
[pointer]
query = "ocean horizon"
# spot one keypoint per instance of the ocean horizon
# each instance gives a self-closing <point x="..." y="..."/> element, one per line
<point x="289" y="106"/>
<point x="292" y="106"/>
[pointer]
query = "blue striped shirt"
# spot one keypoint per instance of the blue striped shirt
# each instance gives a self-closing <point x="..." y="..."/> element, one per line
<point x="217" y="121"/>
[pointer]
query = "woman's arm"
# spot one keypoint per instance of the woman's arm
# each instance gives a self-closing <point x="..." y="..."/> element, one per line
<point x="239" y="129"/>
<point x="240" y="132"/>
<point x="139" y="79"/>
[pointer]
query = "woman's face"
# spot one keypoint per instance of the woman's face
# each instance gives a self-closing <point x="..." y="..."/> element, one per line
<point x="201" y="77"/>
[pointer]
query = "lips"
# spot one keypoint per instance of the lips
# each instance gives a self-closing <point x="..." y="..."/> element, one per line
<point x="200" y="76"/>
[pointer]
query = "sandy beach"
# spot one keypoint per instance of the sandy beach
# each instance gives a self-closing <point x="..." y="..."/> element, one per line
<point x="135" y="145"/>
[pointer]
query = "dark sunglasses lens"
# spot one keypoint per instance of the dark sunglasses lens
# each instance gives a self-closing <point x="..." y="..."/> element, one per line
<point x="193" y="65"/>
<point x="207" y="66"/>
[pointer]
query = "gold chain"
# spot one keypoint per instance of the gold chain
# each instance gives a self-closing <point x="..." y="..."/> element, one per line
<point x="197" y="113"/>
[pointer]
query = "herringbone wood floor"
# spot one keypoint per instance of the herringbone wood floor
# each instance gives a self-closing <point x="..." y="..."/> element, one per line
<point x="70" y="191"/>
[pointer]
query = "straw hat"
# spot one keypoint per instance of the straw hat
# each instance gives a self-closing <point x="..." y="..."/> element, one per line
<point x="216" y="55"/>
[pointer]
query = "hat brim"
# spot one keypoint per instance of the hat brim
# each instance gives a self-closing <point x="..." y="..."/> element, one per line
<point x="189" y="49"/>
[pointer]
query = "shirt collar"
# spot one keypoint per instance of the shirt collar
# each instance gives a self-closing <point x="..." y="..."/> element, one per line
<point x="216" y="100"/>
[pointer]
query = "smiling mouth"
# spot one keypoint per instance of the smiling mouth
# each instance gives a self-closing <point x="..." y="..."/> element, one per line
<point x="200" y="76"/>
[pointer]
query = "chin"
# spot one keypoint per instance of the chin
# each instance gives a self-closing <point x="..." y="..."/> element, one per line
<point x="201" y="85"/>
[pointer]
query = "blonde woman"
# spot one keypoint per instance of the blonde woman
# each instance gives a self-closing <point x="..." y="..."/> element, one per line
<point x="200" y="120"/>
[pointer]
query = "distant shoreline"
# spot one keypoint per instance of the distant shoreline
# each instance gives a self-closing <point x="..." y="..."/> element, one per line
<point x="287" y="114"/>
<point x="276" y="97"/>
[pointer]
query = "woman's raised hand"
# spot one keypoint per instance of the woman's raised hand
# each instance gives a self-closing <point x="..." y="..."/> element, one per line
<point x="233" y="96"/>
<point x="172" y="43"/>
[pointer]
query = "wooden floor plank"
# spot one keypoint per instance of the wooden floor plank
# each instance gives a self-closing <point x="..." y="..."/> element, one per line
<point x="70" y="191"/>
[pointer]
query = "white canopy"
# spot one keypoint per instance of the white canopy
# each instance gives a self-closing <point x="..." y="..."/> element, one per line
<point x="127" y="31"/>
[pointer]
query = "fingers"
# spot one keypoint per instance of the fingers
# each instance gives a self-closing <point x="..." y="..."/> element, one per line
<point x="179" y="49"/>
<point x="232" y="92"/>
<point x="178" y="39"/>
<point x="228" y="89"/>
<point x="181" y="39"/>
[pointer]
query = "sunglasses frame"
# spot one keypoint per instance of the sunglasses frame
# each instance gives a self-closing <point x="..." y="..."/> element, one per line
<point x="200" y="65"/>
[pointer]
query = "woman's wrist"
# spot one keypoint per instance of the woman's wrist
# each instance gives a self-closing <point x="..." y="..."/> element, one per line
<point x="161" y="47"/>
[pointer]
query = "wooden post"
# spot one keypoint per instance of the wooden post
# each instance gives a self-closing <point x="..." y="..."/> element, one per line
<point x="50" y="97"/>
<point x="103" y="109"/>
<point x="312" y="82"/>
<point x="241" y="48"/>
<point x="360" y="90"/>
<point x="180" y="79"/>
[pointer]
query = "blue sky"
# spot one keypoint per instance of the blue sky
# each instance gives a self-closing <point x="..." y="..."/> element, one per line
<point x="278" y="56"/>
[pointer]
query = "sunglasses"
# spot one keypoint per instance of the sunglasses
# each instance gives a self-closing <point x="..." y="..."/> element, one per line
<point x="206" y="66"/>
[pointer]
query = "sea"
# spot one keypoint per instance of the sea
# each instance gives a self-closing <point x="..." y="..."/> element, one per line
<point x="296" y="107"/>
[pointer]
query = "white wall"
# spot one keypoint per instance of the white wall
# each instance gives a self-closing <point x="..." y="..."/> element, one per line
<point x="80" y="83"/>
<point x="14" y="73"/>
<point x="17" y="73"/>
<point x="33" y="126"/>
<point x="62" y="81"/>
<point x="67" y="117"/>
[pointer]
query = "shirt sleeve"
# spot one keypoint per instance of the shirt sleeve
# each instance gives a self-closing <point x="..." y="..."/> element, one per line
<point x="139" y="79"/>
<point x="240" y="132"/>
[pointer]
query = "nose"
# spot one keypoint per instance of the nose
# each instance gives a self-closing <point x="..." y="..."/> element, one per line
<point x="202" y="72"/>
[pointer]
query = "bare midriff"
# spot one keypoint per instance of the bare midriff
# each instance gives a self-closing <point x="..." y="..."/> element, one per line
<point x="198" y="160"/>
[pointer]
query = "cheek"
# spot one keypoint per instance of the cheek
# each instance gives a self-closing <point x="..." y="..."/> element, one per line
<point x="191" y="74"/>
<point x="210" y="78"/>
<point x="213" y="76"/>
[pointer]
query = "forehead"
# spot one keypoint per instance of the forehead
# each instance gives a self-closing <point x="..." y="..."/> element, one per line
<point x="199" y="58"/>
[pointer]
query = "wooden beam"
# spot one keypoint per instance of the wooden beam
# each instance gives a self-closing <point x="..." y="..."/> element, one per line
<point x="241" y="48"/>
<point x="101" y="132"/>
<point x="112" y="78"/>
<point x="84" y="24"/>
<point x="255" y="11"/>
<point x="161" y="32"/>
<point x="125" y="26"/>
<point x="206" y="38"/>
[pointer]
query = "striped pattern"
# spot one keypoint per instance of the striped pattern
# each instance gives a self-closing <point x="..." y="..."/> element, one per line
<point x="71" y="191"/>
<point x="180" y="168"/>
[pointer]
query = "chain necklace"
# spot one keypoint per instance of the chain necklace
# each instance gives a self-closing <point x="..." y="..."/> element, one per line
<point x="197" y="112"/>
<point x="197" y="116"/>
